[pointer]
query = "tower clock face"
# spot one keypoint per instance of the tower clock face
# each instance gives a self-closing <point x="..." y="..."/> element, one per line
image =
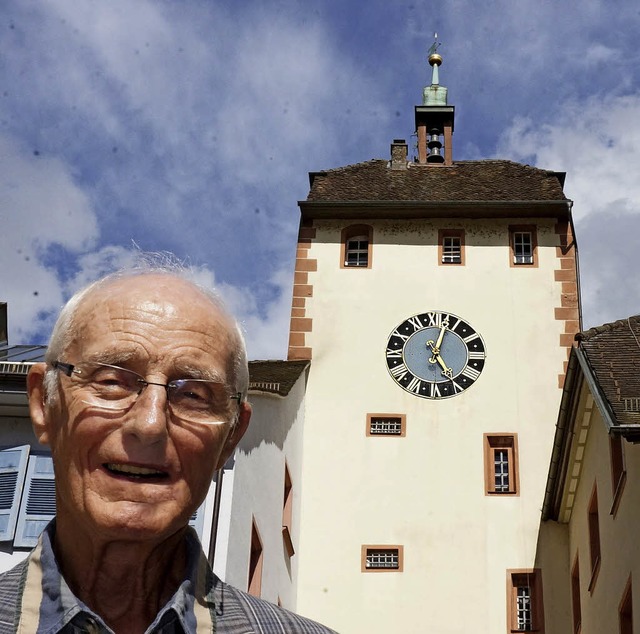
<point x="435" y="355"/>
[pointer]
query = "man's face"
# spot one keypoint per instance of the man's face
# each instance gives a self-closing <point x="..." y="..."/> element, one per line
<point x="140" y="473"/>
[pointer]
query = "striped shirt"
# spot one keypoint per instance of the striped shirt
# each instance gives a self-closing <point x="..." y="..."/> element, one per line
<point x="35" y="599"/>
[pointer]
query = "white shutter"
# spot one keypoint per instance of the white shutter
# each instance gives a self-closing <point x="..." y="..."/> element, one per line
<point x="13" y="466"/>
<point x="38" y="503"/>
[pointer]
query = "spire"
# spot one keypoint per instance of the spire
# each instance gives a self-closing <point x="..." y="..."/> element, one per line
<point x="434" y="118"/>
<point x="434" y="95"/>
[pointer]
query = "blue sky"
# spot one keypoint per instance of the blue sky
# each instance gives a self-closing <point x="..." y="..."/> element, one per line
<point x="191" y="126"/>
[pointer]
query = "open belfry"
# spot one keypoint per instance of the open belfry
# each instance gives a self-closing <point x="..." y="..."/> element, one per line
<point x="437" y="301"/>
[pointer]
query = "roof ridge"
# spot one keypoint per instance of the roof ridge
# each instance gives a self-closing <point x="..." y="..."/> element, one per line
<point x="585" y="335"/>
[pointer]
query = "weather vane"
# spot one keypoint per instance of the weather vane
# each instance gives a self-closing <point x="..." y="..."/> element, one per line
<point x="434" y="46"/>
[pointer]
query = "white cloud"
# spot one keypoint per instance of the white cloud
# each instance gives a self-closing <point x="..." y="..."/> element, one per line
<point x="597" y="142"/>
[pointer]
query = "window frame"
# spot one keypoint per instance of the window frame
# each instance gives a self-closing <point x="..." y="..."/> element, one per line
<point x="618" y="470"/>
<point x="625" y="609"/>
<point x="366" y="548"/>
<point x="532" y="579"/>
<point x="576" y="603"/>
<point x="287" y="512"/>
<point x="403" y="426"/>
<point x="517" y="229"/>
<point x="499" y="441"/>
<point x="593" y="526"/>
<point x="256" y="560"/>
<point x="450" y="233"/>
<point x="349" y="233"/>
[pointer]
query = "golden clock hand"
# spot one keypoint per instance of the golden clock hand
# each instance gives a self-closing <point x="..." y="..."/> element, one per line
<point x="448" y="372"/>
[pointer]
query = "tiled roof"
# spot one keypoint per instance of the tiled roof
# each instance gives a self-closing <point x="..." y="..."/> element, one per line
<point x="275" y="377"/>
<point x="473" y="181"/>
<point x="613" y="352"/>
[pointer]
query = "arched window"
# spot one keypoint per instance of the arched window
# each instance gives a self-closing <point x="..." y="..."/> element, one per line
<point x="356" y="246"/>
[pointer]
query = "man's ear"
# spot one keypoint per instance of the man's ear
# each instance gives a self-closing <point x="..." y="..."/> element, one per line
<point x="236" y="433"/>
<point x="37" y="398"/>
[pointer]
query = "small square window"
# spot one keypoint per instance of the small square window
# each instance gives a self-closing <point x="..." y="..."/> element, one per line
<point x="386" y="424"/>
<point x="523" y="245"/>
<point x="382" y="558"/>
<point x="355" y="250"/>
<point x="525" y="612"/>
<point x="451" y="246"/>
<point x="500" y="464"/>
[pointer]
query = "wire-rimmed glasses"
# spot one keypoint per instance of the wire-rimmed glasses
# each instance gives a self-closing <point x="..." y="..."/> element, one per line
<point x="113" y="388"/>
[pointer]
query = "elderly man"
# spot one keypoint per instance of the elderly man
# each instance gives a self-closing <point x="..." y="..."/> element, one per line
<point x="141" y="398"/>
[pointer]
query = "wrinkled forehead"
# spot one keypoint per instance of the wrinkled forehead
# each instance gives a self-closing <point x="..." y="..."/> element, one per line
<point x="154" y="315"/>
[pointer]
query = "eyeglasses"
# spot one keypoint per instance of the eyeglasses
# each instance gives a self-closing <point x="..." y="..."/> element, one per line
<point x="116" y="389"/>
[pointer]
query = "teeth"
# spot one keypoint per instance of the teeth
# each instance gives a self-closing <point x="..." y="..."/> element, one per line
<point x="126" y="468"/>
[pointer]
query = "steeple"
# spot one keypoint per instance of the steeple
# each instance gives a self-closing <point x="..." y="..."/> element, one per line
<point x="434" y="118"/>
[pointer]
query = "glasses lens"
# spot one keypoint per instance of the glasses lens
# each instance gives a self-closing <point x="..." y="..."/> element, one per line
<point x="107" y="385"/>
<point x="199" y="400"/>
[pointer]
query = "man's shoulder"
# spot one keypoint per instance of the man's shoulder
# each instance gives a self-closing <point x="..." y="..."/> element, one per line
<point x="237" y="608"/>
<point x="11" y="588"/>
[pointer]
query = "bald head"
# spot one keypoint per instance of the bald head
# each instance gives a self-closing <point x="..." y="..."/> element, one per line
<point x="155" y="295"/>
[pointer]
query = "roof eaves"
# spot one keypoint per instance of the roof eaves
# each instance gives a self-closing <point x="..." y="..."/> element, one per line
<point x="563" y="437"/>
<point x="320" y="209"/>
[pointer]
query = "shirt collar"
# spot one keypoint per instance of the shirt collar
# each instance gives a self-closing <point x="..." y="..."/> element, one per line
<point x="62" y="611"/>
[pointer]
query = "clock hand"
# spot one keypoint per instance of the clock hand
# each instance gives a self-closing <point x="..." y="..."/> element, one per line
<point x="448" y="372"/>
<point x="436" y="348"/>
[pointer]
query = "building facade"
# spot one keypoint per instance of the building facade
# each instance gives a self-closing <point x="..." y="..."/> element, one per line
<point x="436" y="301"/>
<point x="587" y="547"/>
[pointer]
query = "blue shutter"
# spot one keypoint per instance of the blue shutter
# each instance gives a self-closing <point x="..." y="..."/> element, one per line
<point x="13" y="466"/>
<point x="197" y="519"/>
<point x="38" y="503"/>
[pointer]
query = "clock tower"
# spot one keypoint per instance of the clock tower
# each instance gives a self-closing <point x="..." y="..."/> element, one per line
<point x="436" y="301"/>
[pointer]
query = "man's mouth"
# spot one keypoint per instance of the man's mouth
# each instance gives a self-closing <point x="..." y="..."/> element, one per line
<point x="131" y="471"/>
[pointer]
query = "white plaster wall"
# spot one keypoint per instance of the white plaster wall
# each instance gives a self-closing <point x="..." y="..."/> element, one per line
<point x="275" y="434"/>
<point x="620" y="555"/>
<point x="425" y="491"/>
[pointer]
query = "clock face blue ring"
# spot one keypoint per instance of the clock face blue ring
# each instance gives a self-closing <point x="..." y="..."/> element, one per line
<point x="435" y="355"/>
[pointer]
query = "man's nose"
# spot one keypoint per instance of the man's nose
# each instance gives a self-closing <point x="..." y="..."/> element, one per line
<point x="148" y="418"/>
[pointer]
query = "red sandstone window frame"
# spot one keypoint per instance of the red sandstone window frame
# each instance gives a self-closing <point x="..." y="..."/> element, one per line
<point x="287" y="512"/>
<point x="576" y="605"/>
<point x="450" y="233"/>
<point x="625" y="609"/>
<point x="372" y="418"/>
<point x="354" y="231"/>
<point x="518" y="229"/>
<point x="525" y="578"/>
<point x="593" y="524"/>
<point x="504" y="442"/>
<point x="618" y="470"/>
<point x="371" y="549"/>
<point x="256" y="559"/>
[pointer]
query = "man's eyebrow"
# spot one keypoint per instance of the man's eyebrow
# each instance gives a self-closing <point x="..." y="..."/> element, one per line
<point x="195" y="372"/>
<point x="111" y="357"/>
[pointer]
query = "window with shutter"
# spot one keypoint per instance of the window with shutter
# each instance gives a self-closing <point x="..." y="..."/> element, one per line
<point x="13" y="467"/>
<point x="38" y="506"/>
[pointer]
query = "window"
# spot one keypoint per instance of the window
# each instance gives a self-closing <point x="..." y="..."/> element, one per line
<point x="451" y="246"/>
<point x="625" y="610"/>
<point x="501" y="464"/>
<point x="386" y="425"/>
<point x="575" y="595"/>
<point x="254" y="586"/>
<point x="287" y="505"/>
<point x="523" y="245"/>
<point x="382" y="558"/>
<point x="524" y="601"/>
<point x="355" y="251"/>
<point x="618" y="471"/>
<point x="594" y="537"/>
